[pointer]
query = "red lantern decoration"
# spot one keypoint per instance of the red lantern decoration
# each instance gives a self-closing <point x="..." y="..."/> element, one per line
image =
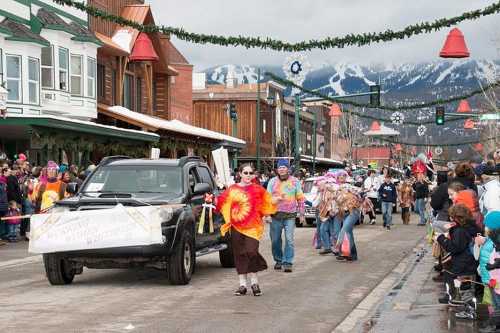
<point x="479" y="146"/>
<point x="454" y="46"/>
<point x="464" y="107"/>
<point x="143" y="49"/>
<point x="375" y="126"/>
<point x="469" y="124"/>
<point x="335" y="111"/>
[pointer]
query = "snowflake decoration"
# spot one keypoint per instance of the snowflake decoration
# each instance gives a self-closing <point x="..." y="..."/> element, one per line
<point x="421" y="130"/>
<point x="296" y="68"/>
<point x="459" y="151"/>
<point x="438" y="151"/>
<point x="397" y="118"/>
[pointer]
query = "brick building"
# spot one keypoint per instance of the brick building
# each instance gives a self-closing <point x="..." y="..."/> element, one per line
<point x="277" y="120"/>
<point x="144" y="82"/>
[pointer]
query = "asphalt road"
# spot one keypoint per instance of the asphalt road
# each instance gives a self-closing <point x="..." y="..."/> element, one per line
<point x="316" y="297"/>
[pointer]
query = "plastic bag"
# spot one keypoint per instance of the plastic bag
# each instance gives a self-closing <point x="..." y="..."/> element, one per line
<point x="345" y="248"/>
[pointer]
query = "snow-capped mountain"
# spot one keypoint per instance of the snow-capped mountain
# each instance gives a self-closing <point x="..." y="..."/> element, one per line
<point x="419" y="81"/>
<point x="404" y="83"/>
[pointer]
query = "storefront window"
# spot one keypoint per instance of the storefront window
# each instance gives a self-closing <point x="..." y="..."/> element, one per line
<point x="13" y="78"/>
<point x="138" y="94"/>
<point x="127" y="91"/>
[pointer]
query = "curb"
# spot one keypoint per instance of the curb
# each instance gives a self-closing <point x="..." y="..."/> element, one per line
<point x="363" y="316"/>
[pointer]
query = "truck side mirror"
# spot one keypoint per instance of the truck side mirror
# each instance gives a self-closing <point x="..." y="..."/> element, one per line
<point x="72" y="188"/>
<point x="202" y="188"/>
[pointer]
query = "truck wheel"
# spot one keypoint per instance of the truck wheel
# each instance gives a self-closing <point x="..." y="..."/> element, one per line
<point x="180" y="264"/>
<point x="57" y="269"/>
<point x="226" y="256"/>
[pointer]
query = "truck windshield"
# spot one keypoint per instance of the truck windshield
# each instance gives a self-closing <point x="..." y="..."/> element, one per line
<point x="136" y="179"/>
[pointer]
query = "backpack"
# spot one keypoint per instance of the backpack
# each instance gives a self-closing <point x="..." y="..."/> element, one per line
<point x="4" y="202"/>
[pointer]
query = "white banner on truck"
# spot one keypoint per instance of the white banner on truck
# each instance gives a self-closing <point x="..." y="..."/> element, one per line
<point x="97" y="229"/>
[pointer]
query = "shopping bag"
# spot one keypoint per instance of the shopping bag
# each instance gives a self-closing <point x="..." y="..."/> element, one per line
<point x="345" y="248"/>
<point x="487" y="299"/>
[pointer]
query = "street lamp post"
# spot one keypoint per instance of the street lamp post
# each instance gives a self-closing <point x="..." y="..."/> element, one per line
<point x="258" y="125"/>
<point x="315" y="119"/>
<point x="297" y="137"/>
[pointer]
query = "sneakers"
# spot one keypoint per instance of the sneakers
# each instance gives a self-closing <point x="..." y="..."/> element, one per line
<point x="372" y="222"/>
<point x="287" y="268"/>
<point x="256" y="290"/>
<point x="388" y="227"/>
<point x="341" y="258"/>
<point x="277" y="266"/>
<point x="326" y="251"/>
<point x="241" y="291"/>
<point x="466" y="315"/>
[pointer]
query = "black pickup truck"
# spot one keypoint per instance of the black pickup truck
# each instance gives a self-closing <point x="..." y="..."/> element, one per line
<point x="139" y="182"/>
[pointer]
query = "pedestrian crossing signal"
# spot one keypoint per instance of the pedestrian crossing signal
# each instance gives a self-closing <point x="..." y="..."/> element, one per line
<point x="440" y="115"/>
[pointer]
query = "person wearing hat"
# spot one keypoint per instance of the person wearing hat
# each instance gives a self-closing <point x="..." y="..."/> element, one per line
<point x="489" y="199"/>
<point x="286" y="192"/>
<point x="492" y="224"/>
<point x="47" y="193"/>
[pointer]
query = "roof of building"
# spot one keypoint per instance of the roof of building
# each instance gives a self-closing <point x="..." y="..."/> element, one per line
<point x="155" y="123"/>
<point x="51" y="20"/>
<point x="110" y="45"/>
<point x="20" y="32"/>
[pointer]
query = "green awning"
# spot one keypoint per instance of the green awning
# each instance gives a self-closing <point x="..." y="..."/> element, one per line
<point x="87" y="127"/>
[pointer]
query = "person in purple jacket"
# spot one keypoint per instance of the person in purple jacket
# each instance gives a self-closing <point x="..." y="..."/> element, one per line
<point x="388" y="196"/>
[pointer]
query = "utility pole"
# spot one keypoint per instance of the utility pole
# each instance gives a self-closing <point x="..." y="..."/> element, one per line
<point x="297" y="135"/>
<point x="258" y="125"/>
<point x="315" y="119"/>
<point x="234" y="122"/>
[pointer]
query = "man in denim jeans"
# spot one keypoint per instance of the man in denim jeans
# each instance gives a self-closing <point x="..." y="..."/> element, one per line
<point x="388" y="195"/>
<point x="287" y="194"/>
<point x="421" y="189"/>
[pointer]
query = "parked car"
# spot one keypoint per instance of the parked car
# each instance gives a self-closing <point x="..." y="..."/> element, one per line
<point x="310" y="190"/>
<point x="143" y="182"/>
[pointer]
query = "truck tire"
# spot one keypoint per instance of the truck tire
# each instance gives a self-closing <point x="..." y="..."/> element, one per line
<point x="226" y="256"/>
<point x="180" y="264"/>
<point x="57" y="269"/>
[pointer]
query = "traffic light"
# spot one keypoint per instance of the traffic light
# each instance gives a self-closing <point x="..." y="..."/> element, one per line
<point x="439" y="115"/>
<point x="232" y="111"/>
<point x="375" y="98"/>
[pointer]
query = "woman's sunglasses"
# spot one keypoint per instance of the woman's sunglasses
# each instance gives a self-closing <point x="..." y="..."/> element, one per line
<point x="247" y="173"/>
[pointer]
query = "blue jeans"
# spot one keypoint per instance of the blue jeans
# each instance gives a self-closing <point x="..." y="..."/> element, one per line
<point x="330" y="232"/>
<point x="387" y="213"/>
<point x="420" y="209"/>
<point x="347" y="228"/>
<point x="317" y="245"/>
<point x="276" y="230"/>
<point x="11" y="231"/>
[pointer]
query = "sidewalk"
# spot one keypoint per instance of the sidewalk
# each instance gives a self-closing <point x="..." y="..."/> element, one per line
<point x="12" y="251"/>
<point x="412" y="304"/>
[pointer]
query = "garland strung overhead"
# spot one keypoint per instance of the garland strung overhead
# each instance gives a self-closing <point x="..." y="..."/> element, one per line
<point x="280" y="45"/>
<point x="438" y="144"/>
<point x="385" y="107"/>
